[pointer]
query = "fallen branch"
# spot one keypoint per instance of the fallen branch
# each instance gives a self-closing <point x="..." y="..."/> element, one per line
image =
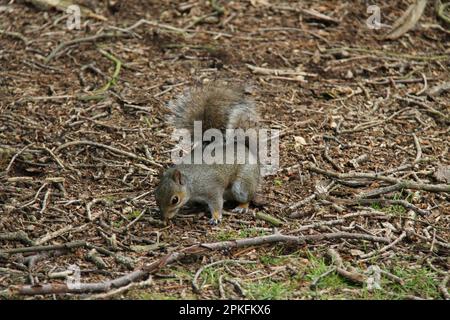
<point x="94" y="38"/>
<point x="402" y="56"/>
<point x="443" y="287"/>
<point x="380" y="191"/>
<point x="89" y="206"/>
<point x="408" y="20"/>
<point x="198" y="249"/>
<point x="279" y="72"/>
<point x="352" y="276"/>
<point x="53" y="235"/>
<point x="138" y="285"/>
<point x="268" y="218"/>
<point x="113" y="149"/>
<point x="16" y="236"/>
<point x="361" y="201"/>
<point x="338" y="221"/>
<point x="301" y="203"/>
<point x="16" y="35"/>
<point x="156" y="24"/>
<point x="385" y="248"/>
<point x="123" y="260"/>
<point x="96" y="259"/>
<point x="439" y="115"/>
<point x="320" y="16"/>
<point x="392" y="277"/>
<point x="406" y="166"/>
<point x="60" y="288"/>
<point x="418" y="149"/>
<point x="313" y="13"/>
<point x="405" y="184"/>
<point x="358" y="160"/>
<point x="314" y="283"/>
<point x="15" y="157"/>
<point x="217" y="8"/>
<point x="69" y="245"/>
<point x="318" y="192"/>
<point x="335" y="165"/>
<point x="237" y="286"/>
<point x="58" y="161"/>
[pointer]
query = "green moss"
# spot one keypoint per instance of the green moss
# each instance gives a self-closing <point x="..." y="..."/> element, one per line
<point x="154" y="296"/>
<point x="278" y="182"/>
<point x="134" y="214"/>
<point x="118" y="223"/>
<point x="147" y="121"/>
<point x="251" y="232"/>
<point x="272" y="260"/>
<point x="225" y="235"/>
<point x="318" y="267"/>
<point x="269" y="290"/>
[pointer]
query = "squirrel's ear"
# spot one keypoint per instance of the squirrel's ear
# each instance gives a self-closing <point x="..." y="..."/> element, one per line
<point x="178" y="177"/>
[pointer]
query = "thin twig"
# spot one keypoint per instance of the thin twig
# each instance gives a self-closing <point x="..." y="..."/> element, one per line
<point x="385" y="248"/>
<point x="113" y="149"/>
<point x="16" y="35"/>
<point x="16" y="155"/>
<point x="21" y="236"/>
<point x="443" y="287"/>
<point x="54" y="234"/>
<point x="68" y="245"/>
<point x="438" y="115"/>
<point x="195" y="284"/>
<point x="418" y="149"/>
<point x="406" y="184"/>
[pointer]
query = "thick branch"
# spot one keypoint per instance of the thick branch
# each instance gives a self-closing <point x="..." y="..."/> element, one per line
<point x="198" y="249"/>
<point x="405" y="184"/>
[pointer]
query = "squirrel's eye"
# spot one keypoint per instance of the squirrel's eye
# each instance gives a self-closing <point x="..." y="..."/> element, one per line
<point x="174" y="200"/>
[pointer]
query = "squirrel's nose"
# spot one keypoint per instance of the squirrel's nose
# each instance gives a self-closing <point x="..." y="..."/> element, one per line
<point x="167" y="215"/>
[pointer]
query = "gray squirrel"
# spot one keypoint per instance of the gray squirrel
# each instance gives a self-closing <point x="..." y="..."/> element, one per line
<point x="218" y="106"/>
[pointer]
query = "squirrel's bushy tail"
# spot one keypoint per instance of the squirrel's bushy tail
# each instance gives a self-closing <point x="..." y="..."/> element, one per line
<point x="217" y="105"/>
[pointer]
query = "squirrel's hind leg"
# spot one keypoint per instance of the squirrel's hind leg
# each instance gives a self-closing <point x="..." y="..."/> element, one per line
<point x="242" y="192"/>
<point x="241" y="208"/>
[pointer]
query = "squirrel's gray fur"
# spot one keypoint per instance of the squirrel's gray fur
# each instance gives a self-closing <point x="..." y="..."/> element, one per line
<point x="218" y="106"/>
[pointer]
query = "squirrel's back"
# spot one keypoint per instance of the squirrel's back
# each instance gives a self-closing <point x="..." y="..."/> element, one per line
<point x="217" y="105"/>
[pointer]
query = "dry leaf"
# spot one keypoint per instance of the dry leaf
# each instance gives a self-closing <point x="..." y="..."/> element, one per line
<point x="442" y="174"/>
<point x="407" y="21"/>
<point x="389" y="226"/>
<point x="299" y="141"/>
<point x="356" y="252"/>
<point x="438" y="89"/>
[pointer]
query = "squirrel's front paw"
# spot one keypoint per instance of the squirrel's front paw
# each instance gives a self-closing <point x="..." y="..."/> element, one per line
<point x="216" y="217"/>
<point x="214" y="221"/>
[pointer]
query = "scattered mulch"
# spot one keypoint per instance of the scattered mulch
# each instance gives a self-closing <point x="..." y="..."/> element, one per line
<point x="82" y="139"/>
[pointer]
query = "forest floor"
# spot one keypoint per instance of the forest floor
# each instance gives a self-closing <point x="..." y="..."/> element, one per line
<point x="363" y="184"/>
